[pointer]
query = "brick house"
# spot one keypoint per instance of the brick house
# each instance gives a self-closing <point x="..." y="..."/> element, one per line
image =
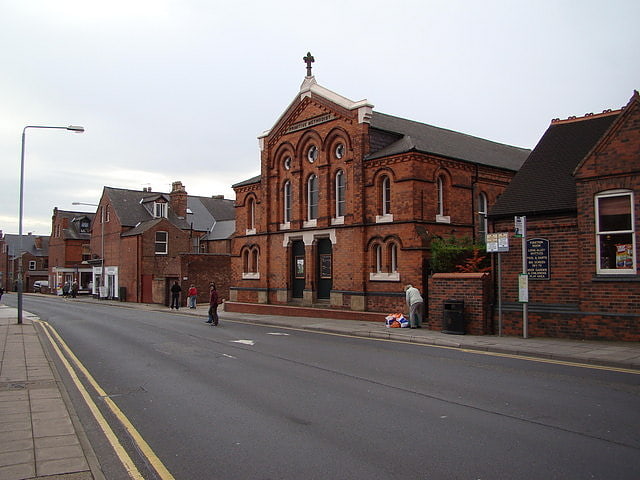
<point x="580" y="192"/>
<point x="145" y="240"/>
<point x="69" y="250"/>
<point x="348" y="200"/>
<point x="34" y="258"/>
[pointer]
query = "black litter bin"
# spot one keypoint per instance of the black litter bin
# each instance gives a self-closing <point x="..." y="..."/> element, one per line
<point x="122" y="293"/>
<point x="453" y="317"/>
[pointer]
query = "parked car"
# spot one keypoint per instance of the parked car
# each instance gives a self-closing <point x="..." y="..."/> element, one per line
<point x="39" y="286"/>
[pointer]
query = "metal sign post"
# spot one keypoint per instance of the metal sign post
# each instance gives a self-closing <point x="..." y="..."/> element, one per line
<point x="521" y="231"/>
<point x="498" y="243"/>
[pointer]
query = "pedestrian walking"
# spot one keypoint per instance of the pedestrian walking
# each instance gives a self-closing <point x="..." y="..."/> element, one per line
<point x="74" y="290"/>
<point x="1" y="292"/>
<point x="192" y="296"/>
<point x="175" y="295"/>
<point x="214" y="301"/>
<point x="65" y="289"/>
<point x="415" y="302"/>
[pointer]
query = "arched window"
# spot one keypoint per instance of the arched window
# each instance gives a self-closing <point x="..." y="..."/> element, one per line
<point x="482" y="217"/>
<point x="251" y="216"/>
<point x="393" y="257"/>
<point x="378" y="254"/>
<point x="245" y="261"/>
<point x="312" y="197"/>
<point x="287" y="202"/>
<point x="340" y="194"/>
<point x="386" y="195"/>
<point x="440" y="189"/>
<point x="254" y="261"/>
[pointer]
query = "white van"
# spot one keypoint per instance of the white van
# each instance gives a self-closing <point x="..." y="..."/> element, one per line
<point x="39" y="285"/>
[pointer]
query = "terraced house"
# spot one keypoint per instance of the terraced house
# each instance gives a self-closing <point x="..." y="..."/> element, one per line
<point x="349" y="199"/>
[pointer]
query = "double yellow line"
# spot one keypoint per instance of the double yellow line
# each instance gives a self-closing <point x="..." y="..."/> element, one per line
<point x="122" y="454"/>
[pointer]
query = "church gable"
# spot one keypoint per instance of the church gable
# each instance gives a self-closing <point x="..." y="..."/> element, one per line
<point x="618" y="151"/>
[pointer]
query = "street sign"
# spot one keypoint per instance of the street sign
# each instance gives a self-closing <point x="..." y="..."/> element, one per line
<point x="497" y="242"/>
<point x="520" y="226"/>
<point x="523" y="288"/>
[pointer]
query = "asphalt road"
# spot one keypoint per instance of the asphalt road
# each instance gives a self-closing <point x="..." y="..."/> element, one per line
<point x="244" y="401"/>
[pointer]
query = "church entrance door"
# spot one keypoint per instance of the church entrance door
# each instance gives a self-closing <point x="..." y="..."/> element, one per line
<point x="325" y="270"/>
<point x="298" y="268"/>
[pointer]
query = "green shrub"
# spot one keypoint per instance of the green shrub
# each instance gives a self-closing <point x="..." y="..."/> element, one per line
<point x="455" y="254"/>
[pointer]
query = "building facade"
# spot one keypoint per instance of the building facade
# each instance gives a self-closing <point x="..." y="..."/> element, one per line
<point x="34" y="257"/>
<point x="144" y="241"/>
<point x="580" y="193"/>
<point x="70" y="250"/>
<point x="348" y="200"/>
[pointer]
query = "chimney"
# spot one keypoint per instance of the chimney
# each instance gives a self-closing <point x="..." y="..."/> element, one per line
<point x="178" y="199"/>
<point x="37" y="241"/>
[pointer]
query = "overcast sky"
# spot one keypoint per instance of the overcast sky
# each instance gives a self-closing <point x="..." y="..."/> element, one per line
<point x="180" y="89"/>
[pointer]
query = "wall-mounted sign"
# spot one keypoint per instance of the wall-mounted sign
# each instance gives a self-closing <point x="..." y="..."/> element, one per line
<point x="325" y="266"/>
<point x="520" y="225"/>
<point x="538" y="259"/>
<point x="310" y="122"/>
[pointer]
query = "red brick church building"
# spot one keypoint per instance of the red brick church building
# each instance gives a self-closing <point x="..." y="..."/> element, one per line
<point x="348" y="200"/>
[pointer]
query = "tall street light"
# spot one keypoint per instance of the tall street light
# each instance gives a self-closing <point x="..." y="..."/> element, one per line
<point x="73" y="128"/>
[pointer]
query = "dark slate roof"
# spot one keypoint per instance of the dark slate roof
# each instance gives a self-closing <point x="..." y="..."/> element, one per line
<point x="249" y="181"/>
<point x="545" y="182"/>
<point x="134" y="209"/>
<point x="73" y="231"/>
<point x="28" y="245"/>
<point x="420" y="137"/>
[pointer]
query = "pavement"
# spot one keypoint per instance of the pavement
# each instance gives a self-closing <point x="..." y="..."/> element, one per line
<point x="41" y="437"/>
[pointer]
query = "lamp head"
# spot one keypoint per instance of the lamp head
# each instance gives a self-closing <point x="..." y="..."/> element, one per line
<point x="75" y="128"/>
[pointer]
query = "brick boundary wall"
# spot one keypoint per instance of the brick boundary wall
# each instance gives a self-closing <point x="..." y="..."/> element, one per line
<point x="475" y="289"/>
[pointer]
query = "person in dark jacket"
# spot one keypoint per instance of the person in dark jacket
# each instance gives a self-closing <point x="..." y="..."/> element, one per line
<point x="213" y="305"/>
<point x="175" y="295"/>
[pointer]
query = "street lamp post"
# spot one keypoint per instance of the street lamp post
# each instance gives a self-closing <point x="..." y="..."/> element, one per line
<point x="73" y="128"/>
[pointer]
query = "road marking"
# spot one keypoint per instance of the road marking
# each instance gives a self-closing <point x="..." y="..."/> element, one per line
<point x="278" y="333"/>
<point x="141" y="444"/>
<point x="459" y="349"/>
<point x="121" y="453"/>
<point x="244" y="342"/>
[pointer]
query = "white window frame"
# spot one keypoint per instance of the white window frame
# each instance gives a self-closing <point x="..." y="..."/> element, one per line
<point x="385" y="196"/>
<point x="159" y="210"/>
<point x="32" y="265"/>
<point x="313" y="193"/>
<point x="158" y="243"/>
<point x="286" y="206"/>
<point x="341" y="198"/>
<point x="599" y="233"/>
<point x="483" y="206"/>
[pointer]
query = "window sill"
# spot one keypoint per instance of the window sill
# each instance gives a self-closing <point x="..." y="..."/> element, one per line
<point x="388" y="218"/>
<point x="622" y="277"/>
<point x="443" y="219"/>
<point x="251" y="276"/>
<point x="337" y="221"/>
<point x="310" y="223"/>
<point x="250" y="231"/>
<point x="384" y="277"/>
<point x="285" y="226"/>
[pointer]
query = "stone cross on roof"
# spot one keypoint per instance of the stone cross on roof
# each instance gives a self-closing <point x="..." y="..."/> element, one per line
<point x="309" y="60"/>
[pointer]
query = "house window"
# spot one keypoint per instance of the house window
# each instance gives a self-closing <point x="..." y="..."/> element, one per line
<point x="393" y="258"/>
<point x="440" y="188"/>
<point x="378" y="253"/>
<point x="482" y="217"/>
<point x="32" y="264"/>
<point x="162" y="240"/>
<point x="312" y="153"/>
<point x="86" y="252"/>
<point x="385" y="200"/>
<point x="159" y="210"/>
<point x="250" y="258"/>
<point x="84" y="226"/>
<point x="385" y="258"/>
<point x="615" y="235"/>
<point x="340" y="194"/>
<point x="312" y="197"/>
<point x="251" y="217"/>
<point x="287" y="202"/>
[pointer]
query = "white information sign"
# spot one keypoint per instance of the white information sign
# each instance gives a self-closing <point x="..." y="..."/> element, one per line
<point x="523" y="288"/>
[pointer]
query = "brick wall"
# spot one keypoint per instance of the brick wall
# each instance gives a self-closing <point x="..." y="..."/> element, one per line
<point x="474" y="289"/>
